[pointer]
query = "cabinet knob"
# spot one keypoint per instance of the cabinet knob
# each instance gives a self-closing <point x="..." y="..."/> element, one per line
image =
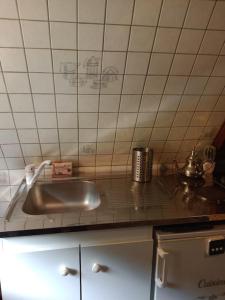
<point x="64" y="271"/>
<point x="96" y="268"/>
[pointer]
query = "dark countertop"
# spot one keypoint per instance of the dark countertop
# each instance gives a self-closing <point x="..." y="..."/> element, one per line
<point x="163" y="201"/>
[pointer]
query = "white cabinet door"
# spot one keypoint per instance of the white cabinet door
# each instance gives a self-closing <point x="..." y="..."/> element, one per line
<point x="185" y="271"/>
<point x="38" y="274"/>
<point x="117" y="271"/>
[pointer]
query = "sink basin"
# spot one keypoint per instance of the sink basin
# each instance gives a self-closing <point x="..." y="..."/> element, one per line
<point x="61" y="197"/>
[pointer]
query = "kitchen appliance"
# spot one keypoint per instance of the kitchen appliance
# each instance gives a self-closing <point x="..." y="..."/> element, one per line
<point x="190" y="264"/>
<point x="142" y="164"/>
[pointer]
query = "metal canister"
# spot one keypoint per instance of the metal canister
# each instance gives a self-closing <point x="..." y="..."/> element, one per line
<point x="142" y="164"/>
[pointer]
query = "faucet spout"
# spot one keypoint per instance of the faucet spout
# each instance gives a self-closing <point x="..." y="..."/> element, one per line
<point x="32" y="175"/>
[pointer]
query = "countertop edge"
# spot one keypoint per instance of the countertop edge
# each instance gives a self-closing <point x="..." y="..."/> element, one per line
<point x="156" y="223"/>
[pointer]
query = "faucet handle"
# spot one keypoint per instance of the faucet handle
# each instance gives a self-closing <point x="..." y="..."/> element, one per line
<point x="30" y="168"/>
<point x="29" y="172"/>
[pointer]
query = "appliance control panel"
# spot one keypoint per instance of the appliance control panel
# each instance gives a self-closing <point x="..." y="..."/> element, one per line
<point x="216" y="246"/>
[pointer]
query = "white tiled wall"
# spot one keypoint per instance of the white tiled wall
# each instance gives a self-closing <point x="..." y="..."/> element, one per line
<point x="87" y="80"/>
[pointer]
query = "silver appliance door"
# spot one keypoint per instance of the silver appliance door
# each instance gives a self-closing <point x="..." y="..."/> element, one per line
<point x="186" y="271"/>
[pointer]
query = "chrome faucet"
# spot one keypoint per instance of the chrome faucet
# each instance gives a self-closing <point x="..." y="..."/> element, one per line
<point x="32" y="175"/>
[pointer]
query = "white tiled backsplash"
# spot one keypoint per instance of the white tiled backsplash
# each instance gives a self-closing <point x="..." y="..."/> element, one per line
<point x="87" y="80"/>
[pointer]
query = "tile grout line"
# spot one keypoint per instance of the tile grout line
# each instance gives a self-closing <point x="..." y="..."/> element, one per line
<point x="111" y="24"/>
<point x="122" y="83"/>
<point x="174" y="94"/>
<point x="95" y="127"/>
<point x="1" y="150"/>
<point x="143" y="87"/>
<point x="77" y="85"/>
<point x="3" y="155"/>
<point x="212" y="111"/>
<point x="15" y="128"/>
<point x="100" y="78"/>
<point x="11" y="110"/>
<point x="164" y="87"/>
<point x="183" y="93"/>
<point x="121" y="74"/>
<point x="200" y="95"/>
<point x="53" y="79"/>
<point x="113" y="51"/>
<point x="105" y="112"/>
<point x="28" y="76"/>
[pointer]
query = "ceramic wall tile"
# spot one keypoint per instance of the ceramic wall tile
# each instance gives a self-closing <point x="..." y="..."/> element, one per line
<point x="217" y="20"/>
<point x="39" y="60"/>
<point x="66" y="103"/>
<point x="8" y="9"/>
<point x="33" y="10"/>
<point x="107" y="120"/>
<point x="90" y="36"/>
<point x="212" y="42"/>
<point x="119" y="12"/>
<point x="17" y="82"/>
<point x="24" y="120"/>
<point x="129" y="103"/>
<point x="91" y="11"/>
<point x="160" y="63"/>
<point x="141" y="38"/>
<point x="137" y="63"/>
<point x="63" y="35"/>
<point x="62" y="11"/>
<point x="182" y="64"/>
<point x="166" y="40"/>
<point x="88" y="103"/>
<point x="41" y="83"/>
<point x="21" y="102"/>
<point x="48" y="135"/>
<point x="4" y="103"/>
<point x="13" y="60"/>
<point x="64" y="61"/>
<point x="198" y="14"/>
<point x="28" y="135"/>
<point x="173" y="13"/>
<point x="44" y="102"/>
<point x="146" y="12"/>
<point x="109" y="103"/>
<point x="116" y="38"/>
<point x="150" y="103"/>
<point x="190" y="41"/>
<point x="10" y="33"/>
<point x="35" y="34"/>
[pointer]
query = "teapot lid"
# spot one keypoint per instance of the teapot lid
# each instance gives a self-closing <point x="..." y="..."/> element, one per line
<point x="193" y="156"/>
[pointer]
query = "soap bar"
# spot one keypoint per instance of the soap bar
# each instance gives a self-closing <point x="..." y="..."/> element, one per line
<point x="62" y="169"/>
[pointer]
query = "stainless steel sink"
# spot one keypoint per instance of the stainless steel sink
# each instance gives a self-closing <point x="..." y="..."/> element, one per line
<point x="61" y="197"/>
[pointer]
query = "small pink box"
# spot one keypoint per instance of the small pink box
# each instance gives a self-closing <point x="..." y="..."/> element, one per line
<point x="62" y="169"/>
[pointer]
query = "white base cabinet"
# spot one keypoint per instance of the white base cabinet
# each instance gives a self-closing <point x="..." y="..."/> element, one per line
<point x="102" y="265"/>
<point x="116" y="271"/>
<point x="31" y="270"/>
<point x="37" y="275"/>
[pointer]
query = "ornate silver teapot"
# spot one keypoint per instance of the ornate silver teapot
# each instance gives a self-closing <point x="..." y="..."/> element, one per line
<point x="193" y="167"/>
